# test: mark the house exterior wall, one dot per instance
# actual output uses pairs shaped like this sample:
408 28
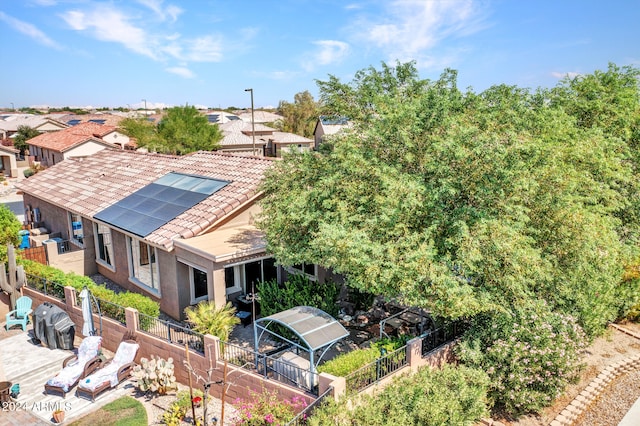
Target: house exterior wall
84 149
49 127
116 138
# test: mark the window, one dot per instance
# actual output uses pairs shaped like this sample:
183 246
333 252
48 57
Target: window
199 288
104 248
245 276
143 268
75 229
308 269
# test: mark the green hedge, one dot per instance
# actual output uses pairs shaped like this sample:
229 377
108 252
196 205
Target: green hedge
62 279
451 396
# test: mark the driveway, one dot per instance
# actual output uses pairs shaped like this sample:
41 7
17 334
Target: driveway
31 366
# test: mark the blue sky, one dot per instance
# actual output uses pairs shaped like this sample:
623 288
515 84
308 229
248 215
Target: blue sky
175 52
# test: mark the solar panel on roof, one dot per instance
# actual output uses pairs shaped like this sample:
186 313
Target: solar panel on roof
73 122
159 202
213 118
98 121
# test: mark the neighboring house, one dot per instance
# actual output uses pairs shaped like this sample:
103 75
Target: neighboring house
327 127
269 142
220 117
179 229
10 123
259 116
8 161
101 118
76 141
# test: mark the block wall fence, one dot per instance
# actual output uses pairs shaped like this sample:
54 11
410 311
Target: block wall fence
239 381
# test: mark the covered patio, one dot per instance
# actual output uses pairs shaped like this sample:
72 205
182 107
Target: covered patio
314 333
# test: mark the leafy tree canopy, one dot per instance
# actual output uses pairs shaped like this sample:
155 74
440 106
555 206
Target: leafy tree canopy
300 116
460 202
181 131
9 228
23 134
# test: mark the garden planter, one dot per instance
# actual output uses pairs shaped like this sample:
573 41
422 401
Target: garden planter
58 416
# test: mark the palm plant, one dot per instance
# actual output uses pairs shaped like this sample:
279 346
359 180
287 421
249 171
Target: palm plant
209 319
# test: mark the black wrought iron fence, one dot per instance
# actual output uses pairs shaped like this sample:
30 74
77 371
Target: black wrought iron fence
45 286
444 334
301 418
281 368
111 310
171 332
377 370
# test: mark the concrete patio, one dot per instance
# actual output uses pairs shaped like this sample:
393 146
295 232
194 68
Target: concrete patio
31 365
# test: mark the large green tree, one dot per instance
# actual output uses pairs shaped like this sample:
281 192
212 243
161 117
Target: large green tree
181 131
9 228
459 202
300 116
23 134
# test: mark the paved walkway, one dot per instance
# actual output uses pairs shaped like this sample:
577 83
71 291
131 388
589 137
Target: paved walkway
31 366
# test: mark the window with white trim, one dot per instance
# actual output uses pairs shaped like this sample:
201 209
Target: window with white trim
143 268
76 233
198 283
104 246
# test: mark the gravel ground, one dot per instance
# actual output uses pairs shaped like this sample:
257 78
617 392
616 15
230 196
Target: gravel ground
613 403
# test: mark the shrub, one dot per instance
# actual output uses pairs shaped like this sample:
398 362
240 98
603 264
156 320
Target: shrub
298 290
347 363
451 396
58 279
29 172
208 319
155 375
530 356
267 408
179 408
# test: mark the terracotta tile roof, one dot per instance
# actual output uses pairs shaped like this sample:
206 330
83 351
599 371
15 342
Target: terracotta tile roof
68 138
89 185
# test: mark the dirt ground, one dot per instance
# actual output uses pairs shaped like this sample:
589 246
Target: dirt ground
613 346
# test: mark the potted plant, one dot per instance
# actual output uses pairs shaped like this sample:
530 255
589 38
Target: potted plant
58 416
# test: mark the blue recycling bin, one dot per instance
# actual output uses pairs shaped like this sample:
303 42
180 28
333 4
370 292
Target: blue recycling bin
24 239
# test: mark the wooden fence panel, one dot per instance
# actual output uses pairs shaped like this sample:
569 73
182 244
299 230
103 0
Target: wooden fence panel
37 254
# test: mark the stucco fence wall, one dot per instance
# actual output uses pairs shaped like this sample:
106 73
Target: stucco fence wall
240 381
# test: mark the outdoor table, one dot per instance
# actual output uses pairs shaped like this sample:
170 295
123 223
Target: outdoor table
5 388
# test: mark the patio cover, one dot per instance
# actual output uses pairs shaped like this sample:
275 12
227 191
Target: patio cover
315 328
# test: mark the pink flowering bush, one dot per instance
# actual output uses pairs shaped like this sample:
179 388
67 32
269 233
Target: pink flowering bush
530 356
267 409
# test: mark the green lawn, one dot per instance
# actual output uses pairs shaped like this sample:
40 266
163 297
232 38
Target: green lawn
125 411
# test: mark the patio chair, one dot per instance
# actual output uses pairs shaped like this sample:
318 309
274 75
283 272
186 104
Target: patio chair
113 372
20 315
76 367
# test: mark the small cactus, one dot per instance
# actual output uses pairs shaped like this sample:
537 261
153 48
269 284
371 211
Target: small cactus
155 375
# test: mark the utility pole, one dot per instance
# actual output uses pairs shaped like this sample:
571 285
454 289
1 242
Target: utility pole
253 125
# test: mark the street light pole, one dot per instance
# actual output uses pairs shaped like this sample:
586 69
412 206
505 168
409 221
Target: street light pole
253 125
12 107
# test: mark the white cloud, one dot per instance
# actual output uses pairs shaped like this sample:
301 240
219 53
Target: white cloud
172 12
181 71
560 75
29 30
327 52
109 24
410 29
203 49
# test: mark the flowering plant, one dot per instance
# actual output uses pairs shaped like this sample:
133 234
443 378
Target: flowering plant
530 356
267 409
